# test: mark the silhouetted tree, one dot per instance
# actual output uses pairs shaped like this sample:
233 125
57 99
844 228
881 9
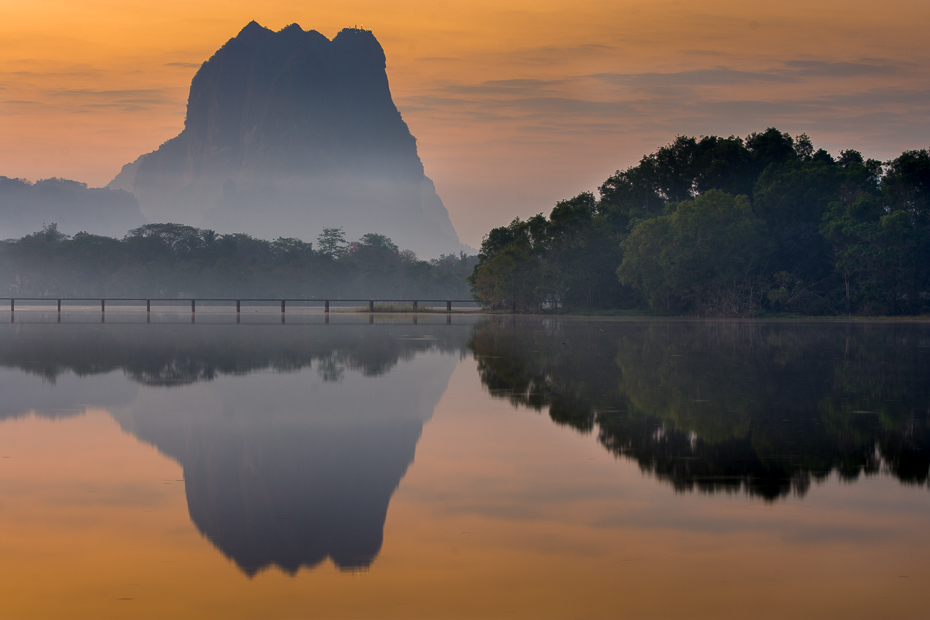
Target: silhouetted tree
819 235
173 260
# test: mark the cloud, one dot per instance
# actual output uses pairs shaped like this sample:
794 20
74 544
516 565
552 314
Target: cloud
184 65
439 59
432 102
550 54
717 76
56 75
130 100
712 53
820 68
505 87
152 93
721 96
658 104
877 97
566 107
791 71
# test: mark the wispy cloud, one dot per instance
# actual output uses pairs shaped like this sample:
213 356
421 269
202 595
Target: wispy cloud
717 76
505 87
55 75
789 72
820 68
130 100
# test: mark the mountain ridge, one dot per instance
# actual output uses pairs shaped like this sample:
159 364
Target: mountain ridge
27 207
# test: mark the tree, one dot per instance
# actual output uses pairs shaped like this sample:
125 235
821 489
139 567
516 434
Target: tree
182 239
679 248
170 260
332 242
705 257
906 186
883 257
582 252
509 271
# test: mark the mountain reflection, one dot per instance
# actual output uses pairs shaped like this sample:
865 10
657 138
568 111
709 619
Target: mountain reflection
285 468
760 407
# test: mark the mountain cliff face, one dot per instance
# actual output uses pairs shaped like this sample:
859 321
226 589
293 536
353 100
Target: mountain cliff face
287 133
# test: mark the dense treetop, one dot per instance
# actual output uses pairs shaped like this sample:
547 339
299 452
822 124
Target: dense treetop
726 226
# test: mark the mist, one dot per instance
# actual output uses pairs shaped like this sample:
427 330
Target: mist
175 260
26 207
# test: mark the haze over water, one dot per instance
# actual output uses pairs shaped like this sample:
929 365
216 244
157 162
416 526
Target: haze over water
532 467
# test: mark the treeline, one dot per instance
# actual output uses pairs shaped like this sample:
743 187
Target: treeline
726 227
173 260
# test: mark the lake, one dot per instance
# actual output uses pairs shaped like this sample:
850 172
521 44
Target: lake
472 466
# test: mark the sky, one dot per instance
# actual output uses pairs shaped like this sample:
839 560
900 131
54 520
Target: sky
515 105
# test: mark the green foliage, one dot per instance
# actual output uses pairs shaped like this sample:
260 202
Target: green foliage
798 192
705 256
906 186
332 242
173 260
511 269
882 256
566 261
812 234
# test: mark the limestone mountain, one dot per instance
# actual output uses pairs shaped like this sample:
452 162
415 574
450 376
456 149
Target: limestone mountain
288 133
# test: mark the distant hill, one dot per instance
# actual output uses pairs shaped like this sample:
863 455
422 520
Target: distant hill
288 133
26 207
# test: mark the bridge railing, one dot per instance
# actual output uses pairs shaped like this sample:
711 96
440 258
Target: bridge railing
373 305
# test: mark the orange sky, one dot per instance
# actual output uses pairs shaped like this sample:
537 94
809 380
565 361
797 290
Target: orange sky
514 104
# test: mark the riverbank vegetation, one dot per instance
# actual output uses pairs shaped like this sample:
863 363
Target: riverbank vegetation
726 227
173 260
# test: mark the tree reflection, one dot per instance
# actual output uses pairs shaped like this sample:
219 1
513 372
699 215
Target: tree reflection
760 407
174 355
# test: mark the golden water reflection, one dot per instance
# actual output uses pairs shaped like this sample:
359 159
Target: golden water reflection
501 513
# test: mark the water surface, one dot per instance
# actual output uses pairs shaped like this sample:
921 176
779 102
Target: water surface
484 467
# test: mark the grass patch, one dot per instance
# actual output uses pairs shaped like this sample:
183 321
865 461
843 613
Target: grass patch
404 308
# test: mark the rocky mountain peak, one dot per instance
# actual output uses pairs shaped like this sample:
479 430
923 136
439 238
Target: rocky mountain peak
288 133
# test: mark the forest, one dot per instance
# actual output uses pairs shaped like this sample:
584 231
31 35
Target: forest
174 260
733 226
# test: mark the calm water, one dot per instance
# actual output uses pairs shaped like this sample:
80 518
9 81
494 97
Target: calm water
489 467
